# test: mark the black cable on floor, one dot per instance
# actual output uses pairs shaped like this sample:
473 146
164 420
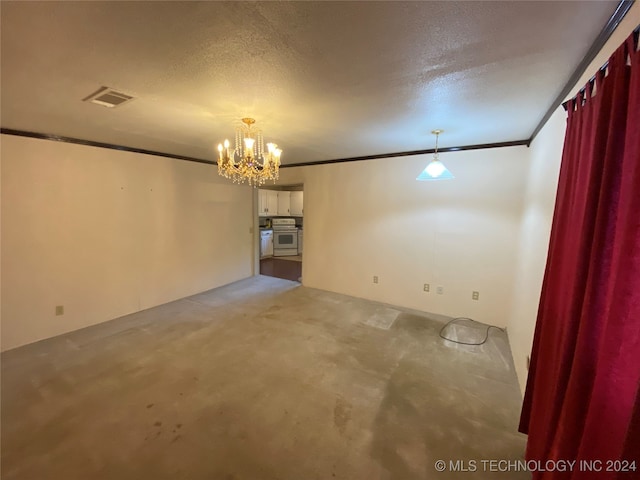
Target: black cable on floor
486 333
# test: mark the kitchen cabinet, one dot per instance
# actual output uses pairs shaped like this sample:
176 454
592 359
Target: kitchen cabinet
267 203
284 203
296 204
272 203
266 243
262 203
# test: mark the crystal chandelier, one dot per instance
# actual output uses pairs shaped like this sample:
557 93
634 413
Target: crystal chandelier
248 161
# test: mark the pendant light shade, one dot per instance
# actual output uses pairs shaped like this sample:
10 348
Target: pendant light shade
435 170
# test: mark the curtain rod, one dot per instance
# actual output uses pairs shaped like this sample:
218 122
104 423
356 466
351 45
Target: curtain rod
635 31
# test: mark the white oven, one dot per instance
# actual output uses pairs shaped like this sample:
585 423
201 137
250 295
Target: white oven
285 237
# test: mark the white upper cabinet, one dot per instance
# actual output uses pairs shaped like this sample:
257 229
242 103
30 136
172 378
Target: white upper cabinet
267 203
263 203
284 203
272 203
296 204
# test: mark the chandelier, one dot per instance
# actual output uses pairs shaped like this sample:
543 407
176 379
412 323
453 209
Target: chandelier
248 161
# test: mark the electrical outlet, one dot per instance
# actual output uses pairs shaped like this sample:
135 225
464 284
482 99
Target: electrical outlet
375 279
475 296
439 290
59 309
426 287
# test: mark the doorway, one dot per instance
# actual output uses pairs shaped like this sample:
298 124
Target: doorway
281 224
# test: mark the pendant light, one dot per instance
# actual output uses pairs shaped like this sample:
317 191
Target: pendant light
435 170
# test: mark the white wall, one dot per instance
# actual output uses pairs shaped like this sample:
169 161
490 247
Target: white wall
533 243
106 233
546 154
373 218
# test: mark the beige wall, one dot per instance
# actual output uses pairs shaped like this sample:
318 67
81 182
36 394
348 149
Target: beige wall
106 233
373 218
533 242
546 153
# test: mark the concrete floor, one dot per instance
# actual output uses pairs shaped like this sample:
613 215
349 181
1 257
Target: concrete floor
262 379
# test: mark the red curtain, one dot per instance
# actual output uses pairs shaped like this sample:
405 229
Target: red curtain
582 400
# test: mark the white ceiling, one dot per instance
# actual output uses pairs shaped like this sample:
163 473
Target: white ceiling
324 80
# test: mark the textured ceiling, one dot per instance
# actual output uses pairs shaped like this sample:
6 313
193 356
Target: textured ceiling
324 80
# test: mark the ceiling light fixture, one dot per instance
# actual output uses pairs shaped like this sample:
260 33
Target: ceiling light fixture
248 161
436 169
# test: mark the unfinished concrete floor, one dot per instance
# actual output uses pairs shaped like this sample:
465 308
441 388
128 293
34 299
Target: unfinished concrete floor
262 379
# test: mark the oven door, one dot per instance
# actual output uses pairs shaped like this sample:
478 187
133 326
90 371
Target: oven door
287 239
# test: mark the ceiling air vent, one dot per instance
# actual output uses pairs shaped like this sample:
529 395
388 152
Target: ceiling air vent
107 97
